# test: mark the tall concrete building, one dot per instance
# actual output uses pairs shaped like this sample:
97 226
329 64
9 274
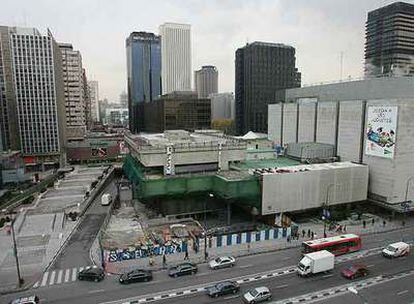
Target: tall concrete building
144 74
389 45
222 106
261 69
74 94
33 105
206 81
175 57
94 99
87 99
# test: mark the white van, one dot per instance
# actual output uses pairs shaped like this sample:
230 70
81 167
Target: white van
396 250
106 199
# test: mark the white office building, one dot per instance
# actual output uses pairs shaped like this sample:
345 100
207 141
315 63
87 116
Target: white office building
94 97
175 57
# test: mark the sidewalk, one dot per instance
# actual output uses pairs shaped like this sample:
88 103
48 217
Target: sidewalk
254 247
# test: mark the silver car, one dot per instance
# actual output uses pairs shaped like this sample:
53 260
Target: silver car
256 295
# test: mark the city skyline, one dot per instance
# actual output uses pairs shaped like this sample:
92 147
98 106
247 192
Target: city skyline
340 28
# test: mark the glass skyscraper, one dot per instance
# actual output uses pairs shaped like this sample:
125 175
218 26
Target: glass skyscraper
144 74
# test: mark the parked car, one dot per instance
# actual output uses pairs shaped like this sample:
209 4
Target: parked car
106 199
396 250
222 262
257 295
182 269
26 300
137 275
91 274
223 288
354 271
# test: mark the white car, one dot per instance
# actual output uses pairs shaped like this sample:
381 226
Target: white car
396 250
256 295
222 262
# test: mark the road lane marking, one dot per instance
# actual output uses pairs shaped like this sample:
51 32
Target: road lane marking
59 278
286 258
74 274
202 274
36 284
67 273
96 290
327 275
246 266
402 292
231 297
44 279
282 286
372 265
52 278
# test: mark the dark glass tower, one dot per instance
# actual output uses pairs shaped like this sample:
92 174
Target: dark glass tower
144 74
261 69
389 41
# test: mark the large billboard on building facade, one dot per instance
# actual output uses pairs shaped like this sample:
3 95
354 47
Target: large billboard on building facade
381 131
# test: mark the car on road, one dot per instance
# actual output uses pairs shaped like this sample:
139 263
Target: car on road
137 275
91 274
222 262
26 300
396 250
355 271
182 269
257 295
223 288
106 199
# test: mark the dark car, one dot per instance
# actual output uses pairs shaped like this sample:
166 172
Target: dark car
223 288
26 300
355 271
91 274
182 269
138 275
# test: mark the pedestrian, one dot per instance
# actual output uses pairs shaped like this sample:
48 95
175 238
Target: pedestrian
309 233
303 233
312 235
344 228
288 238
164 260
186 255
205 255
364 223
151 261
373 221
383 223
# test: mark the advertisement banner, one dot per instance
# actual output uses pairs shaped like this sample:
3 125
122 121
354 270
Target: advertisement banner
381 131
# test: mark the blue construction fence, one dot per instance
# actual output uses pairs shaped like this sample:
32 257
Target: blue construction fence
248 237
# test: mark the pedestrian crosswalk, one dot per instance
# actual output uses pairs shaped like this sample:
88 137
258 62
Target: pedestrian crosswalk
59 276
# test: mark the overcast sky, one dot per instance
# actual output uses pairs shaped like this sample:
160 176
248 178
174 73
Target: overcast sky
319 30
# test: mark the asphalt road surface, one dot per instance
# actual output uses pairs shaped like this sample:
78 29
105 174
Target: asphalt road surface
283 286
76 251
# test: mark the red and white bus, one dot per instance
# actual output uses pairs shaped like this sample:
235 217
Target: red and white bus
337 245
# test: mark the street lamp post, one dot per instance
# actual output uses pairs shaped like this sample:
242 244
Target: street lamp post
19 277
325 207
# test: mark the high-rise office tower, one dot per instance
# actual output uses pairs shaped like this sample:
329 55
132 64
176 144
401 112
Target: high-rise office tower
261 69
144 74
206 81
389 44
87 99
73 88
94 98
175 57
33 106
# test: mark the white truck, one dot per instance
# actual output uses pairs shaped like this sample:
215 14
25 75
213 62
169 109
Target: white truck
106 199
316 262
396 250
